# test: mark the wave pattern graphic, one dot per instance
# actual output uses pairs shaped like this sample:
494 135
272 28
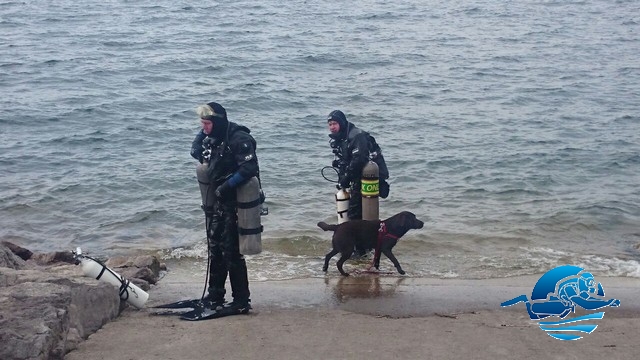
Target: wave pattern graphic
554 329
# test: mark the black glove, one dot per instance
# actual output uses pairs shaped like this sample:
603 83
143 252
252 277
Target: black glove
208 142
344 182
223 191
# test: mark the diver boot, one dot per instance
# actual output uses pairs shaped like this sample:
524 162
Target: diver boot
208 302
232 308
237 307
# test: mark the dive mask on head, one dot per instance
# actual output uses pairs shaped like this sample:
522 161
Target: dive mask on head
213 117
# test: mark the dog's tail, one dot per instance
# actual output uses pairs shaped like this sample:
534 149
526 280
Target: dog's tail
326 227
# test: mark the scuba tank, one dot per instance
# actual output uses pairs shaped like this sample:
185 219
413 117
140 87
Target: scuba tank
208 194
370 191
250 199
95 269
342 205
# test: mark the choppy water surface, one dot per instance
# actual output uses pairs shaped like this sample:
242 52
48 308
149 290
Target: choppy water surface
511 128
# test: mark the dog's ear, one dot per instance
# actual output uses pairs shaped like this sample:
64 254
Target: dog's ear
414 217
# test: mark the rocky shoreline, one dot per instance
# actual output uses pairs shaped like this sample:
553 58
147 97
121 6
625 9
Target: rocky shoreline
47 306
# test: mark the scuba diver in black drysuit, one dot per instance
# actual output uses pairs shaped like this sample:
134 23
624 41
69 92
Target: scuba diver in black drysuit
353 148
230 152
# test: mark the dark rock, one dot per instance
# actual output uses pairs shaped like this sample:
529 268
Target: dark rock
139 273
23 253
142 284
53 258
10 260
120 263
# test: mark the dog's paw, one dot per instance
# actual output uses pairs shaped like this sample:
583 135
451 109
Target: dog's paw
325 269
401 272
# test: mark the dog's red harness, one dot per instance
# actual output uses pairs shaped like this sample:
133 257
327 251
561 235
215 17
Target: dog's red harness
383 234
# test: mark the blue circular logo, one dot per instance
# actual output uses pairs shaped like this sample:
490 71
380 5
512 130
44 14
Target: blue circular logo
557 294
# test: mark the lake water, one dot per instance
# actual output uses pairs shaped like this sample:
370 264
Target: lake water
511 128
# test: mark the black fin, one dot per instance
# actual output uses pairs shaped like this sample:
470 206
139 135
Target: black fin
167 313
206 313
201 314
182 304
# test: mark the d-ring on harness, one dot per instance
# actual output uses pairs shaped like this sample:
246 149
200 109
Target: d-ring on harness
383 234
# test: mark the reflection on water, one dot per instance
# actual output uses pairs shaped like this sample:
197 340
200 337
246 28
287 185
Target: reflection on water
363 286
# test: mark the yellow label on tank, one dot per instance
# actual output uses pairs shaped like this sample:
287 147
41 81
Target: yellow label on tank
370 187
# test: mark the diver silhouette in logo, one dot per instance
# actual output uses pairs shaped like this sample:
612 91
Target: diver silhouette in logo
559 291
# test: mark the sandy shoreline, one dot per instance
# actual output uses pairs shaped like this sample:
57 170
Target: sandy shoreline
385 317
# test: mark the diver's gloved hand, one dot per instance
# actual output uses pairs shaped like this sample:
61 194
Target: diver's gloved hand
223 191
208 142
344 182
335 163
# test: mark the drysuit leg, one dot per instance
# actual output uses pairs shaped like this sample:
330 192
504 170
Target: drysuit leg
355 202
227 258
217 268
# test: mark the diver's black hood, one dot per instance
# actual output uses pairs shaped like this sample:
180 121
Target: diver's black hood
341 119
219 119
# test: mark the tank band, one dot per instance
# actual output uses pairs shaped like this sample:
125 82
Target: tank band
101 272
243 231
124 289
250 204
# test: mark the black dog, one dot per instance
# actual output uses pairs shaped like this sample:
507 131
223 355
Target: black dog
380 235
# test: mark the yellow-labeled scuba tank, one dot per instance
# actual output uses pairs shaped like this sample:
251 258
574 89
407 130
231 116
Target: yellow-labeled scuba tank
370 191
342 205
250 201
95 269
